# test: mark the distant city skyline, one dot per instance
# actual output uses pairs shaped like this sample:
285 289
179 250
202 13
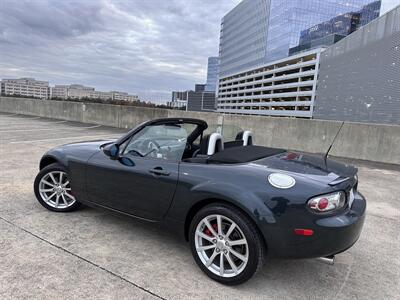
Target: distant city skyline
142 47
43 89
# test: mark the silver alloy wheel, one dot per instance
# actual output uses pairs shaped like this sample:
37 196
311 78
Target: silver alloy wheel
55 190
221 246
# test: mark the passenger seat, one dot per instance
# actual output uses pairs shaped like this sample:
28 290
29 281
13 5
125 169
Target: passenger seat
210 144
246 137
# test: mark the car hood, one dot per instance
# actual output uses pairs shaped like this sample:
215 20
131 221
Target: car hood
95 144
82 150
310 166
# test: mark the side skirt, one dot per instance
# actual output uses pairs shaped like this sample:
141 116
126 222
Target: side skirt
95 205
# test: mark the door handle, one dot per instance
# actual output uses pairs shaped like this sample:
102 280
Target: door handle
159 171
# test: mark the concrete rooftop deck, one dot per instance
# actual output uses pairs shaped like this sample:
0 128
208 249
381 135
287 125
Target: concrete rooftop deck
94 254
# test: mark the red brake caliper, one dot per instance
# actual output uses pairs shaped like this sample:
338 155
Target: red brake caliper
208 231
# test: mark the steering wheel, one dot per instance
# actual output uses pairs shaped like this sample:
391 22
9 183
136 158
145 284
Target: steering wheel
152 145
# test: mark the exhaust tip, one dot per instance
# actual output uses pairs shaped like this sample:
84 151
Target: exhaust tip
329 260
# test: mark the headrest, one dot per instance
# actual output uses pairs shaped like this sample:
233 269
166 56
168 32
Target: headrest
245 136
211 143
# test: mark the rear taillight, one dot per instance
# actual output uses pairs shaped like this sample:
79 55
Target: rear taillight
328 202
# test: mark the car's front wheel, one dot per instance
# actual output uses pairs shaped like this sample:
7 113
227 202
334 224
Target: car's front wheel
225 244
53 190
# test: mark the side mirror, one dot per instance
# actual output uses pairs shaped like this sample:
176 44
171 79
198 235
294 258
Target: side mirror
111 150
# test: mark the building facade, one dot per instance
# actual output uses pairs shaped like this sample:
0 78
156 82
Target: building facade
212 74
78 91
197 100
122 96
27 87
243 36
284 87
329 32
178 104
73 91
199 87
200 101
178 100
359 76
59 92
256 32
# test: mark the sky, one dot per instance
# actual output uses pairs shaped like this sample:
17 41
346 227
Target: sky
144 47
388 5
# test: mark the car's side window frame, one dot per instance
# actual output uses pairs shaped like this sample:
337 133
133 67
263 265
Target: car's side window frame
125 144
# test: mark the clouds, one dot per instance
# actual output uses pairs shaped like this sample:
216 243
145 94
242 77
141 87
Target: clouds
143 46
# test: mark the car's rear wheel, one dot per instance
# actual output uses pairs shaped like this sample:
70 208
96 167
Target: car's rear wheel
53 190
226 244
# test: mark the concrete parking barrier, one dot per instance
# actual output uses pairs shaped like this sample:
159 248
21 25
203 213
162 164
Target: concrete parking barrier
373 142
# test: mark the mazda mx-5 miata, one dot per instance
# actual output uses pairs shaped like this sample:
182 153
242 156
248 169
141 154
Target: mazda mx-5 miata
234 202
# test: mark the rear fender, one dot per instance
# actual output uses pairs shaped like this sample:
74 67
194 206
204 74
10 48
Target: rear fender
244 199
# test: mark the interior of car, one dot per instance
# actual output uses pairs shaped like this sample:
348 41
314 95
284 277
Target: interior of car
193 141
213 143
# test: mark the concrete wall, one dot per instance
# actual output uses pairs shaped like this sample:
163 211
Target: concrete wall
374 142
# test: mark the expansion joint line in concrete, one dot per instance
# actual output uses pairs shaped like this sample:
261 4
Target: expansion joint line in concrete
82 258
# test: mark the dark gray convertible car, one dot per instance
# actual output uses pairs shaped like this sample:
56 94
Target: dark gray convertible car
235 202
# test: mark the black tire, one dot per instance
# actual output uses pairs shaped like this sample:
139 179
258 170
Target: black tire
46 170
255 242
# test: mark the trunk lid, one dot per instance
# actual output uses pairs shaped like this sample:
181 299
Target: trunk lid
310 166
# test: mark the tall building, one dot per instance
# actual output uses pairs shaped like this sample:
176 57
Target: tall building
197 100
256 32
212 74
200 101
243 36
27 87
199 87
359 77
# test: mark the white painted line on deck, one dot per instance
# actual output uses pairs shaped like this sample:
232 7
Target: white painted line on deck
55 129
67 138
41 123
8 115
65 121
23 118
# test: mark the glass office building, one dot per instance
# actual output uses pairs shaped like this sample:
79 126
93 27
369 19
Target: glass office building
212 74
333 30
256 32
243 36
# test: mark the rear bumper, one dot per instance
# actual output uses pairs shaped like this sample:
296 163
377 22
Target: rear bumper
332 235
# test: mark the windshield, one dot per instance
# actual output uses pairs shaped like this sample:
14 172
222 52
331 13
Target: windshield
166 141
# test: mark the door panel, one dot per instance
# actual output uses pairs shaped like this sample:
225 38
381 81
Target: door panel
142 181
144 189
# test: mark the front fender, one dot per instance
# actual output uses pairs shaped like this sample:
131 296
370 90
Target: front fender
74 160
53 156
